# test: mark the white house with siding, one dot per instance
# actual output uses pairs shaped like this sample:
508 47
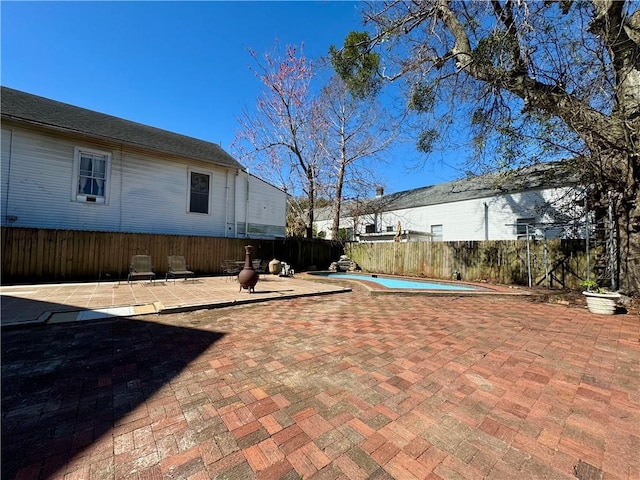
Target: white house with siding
65 167
543 201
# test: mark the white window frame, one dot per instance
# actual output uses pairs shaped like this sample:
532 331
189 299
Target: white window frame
521 228
76 196
201 172
437 237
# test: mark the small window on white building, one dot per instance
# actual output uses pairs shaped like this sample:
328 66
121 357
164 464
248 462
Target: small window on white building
524 226
199 186
91 172
345 234
390 228
436 233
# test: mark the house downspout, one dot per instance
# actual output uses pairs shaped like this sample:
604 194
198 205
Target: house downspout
226 206
236 215
486 221
121 189
246 211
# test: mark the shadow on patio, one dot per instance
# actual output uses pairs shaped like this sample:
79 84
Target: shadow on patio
65 387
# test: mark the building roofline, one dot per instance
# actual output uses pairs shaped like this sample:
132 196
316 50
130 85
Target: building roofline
50 114
531 178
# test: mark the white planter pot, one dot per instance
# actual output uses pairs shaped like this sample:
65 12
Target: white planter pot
602 303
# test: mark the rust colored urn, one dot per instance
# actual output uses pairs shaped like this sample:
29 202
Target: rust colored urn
248 277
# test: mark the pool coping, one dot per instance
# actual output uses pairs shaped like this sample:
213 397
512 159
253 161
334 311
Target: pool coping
376 289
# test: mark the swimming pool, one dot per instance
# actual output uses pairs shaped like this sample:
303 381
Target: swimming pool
401 283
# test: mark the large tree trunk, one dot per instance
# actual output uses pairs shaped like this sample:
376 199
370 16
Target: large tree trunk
616 184
628 227
311 195
613 139
337 202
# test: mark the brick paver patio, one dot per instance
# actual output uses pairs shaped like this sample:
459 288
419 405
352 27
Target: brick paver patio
345 386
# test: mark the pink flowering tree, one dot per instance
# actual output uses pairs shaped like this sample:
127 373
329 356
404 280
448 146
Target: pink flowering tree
276 139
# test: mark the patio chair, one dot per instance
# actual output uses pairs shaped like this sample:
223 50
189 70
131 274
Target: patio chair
177 267
259 265
141 267
231 268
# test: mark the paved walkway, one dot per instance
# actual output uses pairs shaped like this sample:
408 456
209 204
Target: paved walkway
58 303
346 386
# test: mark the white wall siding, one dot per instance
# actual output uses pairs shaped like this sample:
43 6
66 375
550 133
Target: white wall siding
41 181
5 166
325 226
261 208
229 199
267 208
155 197
491 218
465 220
148 193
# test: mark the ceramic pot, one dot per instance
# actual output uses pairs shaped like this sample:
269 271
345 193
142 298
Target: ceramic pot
602 303
275 267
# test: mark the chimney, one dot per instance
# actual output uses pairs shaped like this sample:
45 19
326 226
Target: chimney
379 191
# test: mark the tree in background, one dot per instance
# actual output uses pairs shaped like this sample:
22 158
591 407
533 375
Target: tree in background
352 133
306 143
276 139
297 213
533 80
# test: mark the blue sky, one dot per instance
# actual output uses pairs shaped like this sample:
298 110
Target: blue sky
179 66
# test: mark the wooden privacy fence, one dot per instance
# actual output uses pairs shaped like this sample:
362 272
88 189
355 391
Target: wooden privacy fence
553 263
30 254
43 255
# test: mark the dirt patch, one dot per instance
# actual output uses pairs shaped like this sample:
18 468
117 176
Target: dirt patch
575 298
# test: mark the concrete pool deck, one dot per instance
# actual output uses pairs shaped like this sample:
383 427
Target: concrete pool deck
349 386
59 303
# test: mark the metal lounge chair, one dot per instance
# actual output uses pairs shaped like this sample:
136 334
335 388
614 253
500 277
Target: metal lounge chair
259 265
141 267
177 267
231 268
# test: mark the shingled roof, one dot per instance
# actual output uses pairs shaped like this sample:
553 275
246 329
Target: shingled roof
543 175
35 110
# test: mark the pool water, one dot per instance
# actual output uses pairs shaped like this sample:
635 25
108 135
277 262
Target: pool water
401 283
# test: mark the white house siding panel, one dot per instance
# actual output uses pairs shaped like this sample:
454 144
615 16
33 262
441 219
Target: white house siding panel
41 182
459 219
465 220
323 227
5 165
241 203
260 208
230 195
491 218
267 209
147 192
155 197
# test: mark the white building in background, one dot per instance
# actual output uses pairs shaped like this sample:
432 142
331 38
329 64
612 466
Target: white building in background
543 201
65 167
